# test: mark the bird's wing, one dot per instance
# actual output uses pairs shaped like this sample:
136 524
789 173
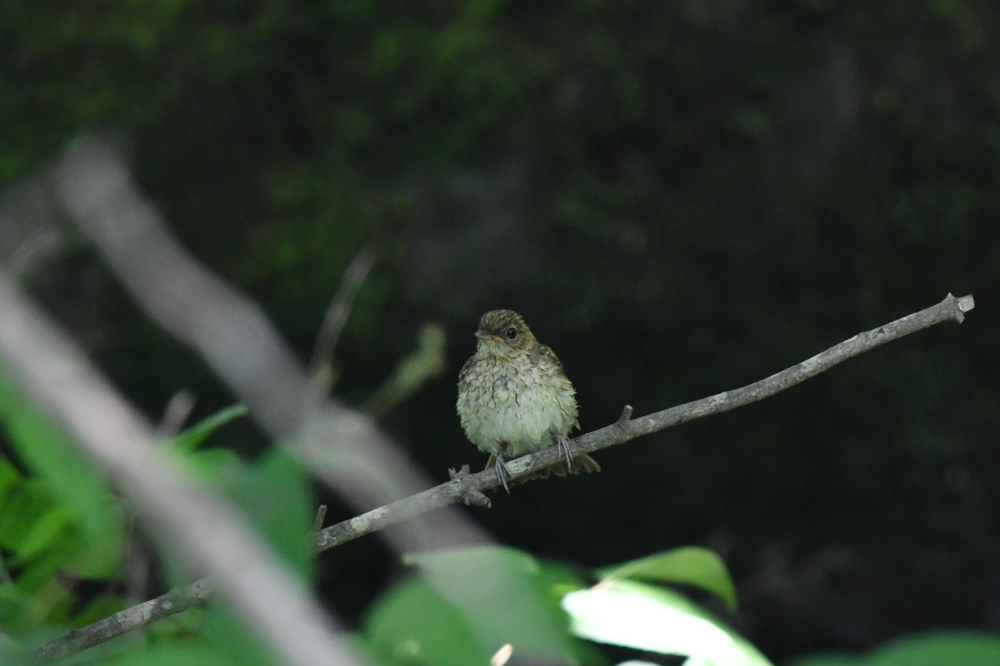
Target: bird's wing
540 351
569 406
465 369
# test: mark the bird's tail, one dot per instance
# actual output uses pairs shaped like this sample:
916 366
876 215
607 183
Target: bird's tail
581 463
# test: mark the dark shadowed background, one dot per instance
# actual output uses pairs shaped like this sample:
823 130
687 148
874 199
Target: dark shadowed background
680 198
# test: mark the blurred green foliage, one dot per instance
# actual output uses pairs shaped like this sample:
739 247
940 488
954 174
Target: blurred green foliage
67 544
414 623
58 524
425 620
928 649
696 567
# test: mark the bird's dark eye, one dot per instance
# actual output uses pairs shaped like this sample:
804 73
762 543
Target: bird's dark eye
511 333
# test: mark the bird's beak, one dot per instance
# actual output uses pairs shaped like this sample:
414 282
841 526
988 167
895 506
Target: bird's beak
482 334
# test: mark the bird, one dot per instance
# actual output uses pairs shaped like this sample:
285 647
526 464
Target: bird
514 397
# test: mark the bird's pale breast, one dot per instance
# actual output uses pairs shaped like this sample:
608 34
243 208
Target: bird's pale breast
515 400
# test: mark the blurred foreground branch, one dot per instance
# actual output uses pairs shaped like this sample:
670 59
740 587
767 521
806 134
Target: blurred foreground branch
468 487
92 186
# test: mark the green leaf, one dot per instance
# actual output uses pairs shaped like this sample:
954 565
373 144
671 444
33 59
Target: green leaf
99 608
276 496
47 598
15 604
44 531
34 521
9 477
100 559
644 617
23 505
234 642
504 596
170 655
937 648
697 567
828 659
41 572
940 647
412 624
192 438
213 465
512 559
425 362
65 467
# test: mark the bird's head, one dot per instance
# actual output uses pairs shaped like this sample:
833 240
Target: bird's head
503 331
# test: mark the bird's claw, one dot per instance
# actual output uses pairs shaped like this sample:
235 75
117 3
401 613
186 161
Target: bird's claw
563 445
503 473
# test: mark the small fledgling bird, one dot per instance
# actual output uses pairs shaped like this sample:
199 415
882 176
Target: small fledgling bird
514 398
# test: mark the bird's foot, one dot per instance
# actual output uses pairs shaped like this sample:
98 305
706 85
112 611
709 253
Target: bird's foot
563 445
503 473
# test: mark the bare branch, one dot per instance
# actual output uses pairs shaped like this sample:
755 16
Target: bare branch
135 617
625 429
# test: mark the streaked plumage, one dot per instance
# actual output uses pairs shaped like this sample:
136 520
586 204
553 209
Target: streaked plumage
513 396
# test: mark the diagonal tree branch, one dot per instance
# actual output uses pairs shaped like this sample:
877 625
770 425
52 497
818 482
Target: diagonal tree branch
173 602
469 487
626 428
94 187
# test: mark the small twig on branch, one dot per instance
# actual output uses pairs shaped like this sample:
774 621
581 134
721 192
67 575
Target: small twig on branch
321 368
464 494
34 248
422 364
176 412
625 419
320 517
